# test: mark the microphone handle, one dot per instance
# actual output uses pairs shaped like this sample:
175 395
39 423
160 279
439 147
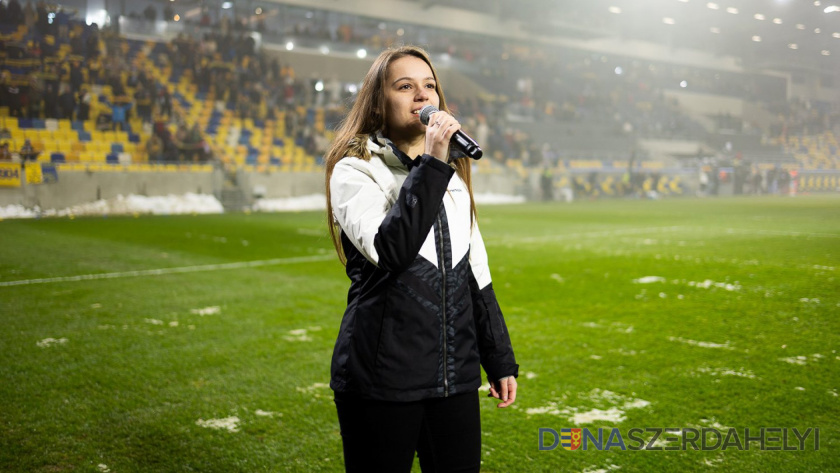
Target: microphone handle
467 145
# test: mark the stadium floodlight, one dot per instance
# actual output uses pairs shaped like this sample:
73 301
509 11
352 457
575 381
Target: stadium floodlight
324 49
831 9
777 21
615 10
825 52
319 86
683 84
756 38
227 5
668 21
800 26
713 6
732 10
817 31
362 53
759 17
835 35
715 30
619 71
793 46
817 3
289 46
100 17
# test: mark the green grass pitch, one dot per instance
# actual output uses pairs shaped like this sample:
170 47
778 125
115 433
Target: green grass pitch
741 331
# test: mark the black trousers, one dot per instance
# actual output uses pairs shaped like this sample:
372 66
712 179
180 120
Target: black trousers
381 436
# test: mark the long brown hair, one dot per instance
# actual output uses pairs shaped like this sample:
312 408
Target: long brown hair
366 118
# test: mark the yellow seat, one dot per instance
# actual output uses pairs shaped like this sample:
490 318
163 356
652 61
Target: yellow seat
7 122
97 136
64 146
51 146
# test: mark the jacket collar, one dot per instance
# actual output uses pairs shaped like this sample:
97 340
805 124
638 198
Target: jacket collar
385 149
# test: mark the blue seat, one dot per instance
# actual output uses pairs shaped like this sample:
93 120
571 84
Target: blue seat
278 142
133 138
77 125
84 135
112 159
24 123
116 148
57 158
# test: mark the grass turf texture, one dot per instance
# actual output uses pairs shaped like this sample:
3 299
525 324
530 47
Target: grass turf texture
127 388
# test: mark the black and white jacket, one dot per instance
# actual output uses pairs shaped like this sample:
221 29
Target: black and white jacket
421 312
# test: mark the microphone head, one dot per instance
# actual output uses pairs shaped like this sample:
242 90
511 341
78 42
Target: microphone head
426 113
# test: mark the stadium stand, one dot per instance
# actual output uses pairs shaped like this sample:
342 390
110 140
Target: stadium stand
211 94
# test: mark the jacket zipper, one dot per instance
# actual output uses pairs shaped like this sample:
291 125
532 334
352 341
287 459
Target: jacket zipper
443 308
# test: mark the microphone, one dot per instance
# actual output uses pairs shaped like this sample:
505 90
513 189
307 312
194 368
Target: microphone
462 140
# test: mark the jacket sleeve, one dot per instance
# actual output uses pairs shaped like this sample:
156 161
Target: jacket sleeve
390 236
494 346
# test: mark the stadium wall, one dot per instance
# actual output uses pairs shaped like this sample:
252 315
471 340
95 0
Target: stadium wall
80 187
278 185
76 187
707 104
811 88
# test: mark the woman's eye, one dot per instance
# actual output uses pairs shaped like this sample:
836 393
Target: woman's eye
405 86
430 86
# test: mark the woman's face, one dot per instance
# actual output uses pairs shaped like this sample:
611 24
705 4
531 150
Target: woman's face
409 86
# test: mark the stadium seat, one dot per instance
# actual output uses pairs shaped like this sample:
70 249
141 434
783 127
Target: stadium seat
57 158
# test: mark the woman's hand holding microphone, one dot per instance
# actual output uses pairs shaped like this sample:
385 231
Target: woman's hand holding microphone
439 131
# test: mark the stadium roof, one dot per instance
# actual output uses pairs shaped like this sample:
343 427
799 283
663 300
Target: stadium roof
768 34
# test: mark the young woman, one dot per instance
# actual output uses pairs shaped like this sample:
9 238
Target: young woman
421 314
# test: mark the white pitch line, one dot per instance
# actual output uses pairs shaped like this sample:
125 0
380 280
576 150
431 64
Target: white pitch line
182 269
